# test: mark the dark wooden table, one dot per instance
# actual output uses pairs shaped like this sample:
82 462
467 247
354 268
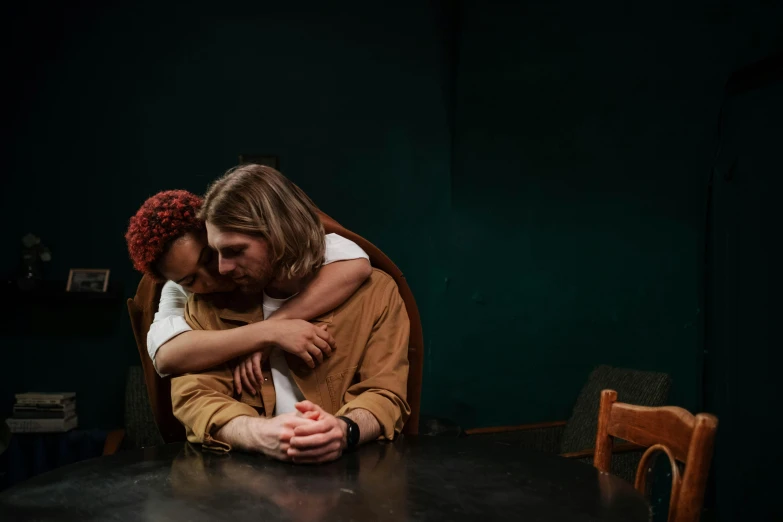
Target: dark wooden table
414 478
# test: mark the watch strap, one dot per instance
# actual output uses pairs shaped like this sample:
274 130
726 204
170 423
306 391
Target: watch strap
352 438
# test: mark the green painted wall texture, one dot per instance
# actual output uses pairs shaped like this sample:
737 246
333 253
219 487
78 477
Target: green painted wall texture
539 171
584 138
745 286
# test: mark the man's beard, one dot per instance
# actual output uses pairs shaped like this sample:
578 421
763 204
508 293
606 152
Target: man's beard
256 282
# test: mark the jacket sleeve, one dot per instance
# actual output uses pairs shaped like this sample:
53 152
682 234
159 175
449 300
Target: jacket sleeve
382 378
204 401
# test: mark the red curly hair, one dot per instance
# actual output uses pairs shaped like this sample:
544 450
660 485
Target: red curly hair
162 219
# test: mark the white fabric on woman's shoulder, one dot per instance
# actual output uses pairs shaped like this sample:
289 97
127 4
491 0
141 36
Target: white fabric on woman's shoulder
169 320
340 249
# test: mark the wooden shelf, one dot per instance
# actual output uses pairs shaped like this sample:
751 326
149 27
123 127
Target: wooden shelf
55 291
50 310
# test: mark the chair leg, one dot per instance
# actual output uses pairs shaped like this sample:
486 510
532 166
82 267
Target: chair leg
113 442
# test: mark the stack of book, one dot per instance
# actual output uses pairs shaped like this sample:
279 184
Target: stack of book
43 413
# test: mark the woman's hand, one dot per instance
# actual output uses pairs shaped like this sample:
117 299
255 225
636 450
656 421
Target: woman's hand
307 341
248 373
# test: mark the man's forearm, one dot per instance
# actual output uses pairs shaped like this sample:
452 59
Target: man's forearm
237 433
369 427
199 350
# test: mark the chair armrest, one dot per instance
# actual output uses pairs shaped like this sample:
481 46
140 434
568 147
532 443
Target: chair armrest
521 427
625 447
544 436
113 442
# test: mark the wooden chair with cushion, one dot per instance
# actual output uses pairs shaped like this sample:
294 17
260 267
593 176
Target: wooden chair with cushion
575 438
139 426
684 438
143 306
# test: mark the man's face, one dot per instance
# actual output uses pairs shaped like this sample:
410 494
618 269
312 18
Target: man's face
243 258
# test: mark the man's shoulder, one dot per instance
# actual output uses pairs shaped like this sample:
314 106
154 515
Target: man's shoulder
380 281
379 276
378 288
372 298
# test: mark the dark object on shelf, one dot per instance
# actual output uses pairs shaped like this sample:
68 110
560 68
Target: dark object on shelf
30 274
34 254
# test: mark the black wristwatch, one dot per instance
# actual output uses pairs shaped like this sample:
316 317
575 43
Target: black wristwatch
353 433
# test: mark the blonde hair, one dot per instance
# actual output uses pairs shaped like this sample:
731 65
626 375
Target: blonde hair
257 200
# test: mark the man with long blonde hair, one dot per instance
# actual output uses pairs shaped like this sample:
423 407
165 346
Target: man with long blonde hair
270 241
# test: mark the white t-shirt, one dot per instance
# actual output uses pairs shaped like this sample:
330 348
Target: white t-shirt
287 393
169 320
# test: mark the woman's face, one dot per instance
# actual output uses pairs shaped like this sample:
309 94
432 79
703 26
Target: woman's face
191 263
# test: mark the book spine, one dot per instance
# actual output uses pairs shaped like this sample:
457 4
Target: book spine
41 425
41 402
25 414
44 396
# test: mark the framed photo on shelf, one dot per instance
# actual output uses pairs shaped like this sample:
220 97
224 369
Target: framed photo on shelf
88 280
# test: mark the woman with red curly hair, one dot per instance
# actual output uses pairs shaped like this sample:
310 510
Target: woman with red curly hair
168 242
169 220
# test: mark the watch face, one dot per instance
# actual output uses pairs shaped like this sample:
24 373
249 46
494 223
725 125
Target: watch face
353 434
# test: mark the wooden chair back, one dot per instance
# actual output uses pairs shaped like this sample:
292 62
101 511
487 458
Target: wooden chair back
686 439
141 310
143 306
416 339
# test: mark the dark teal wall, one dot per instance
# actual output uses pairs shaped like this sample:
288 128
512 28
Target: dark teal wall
539 171
745 358
584 139
118 104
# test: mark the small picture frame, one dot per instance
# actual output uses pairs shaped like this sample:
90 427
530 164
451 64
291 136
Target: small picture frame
259 159
88 280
